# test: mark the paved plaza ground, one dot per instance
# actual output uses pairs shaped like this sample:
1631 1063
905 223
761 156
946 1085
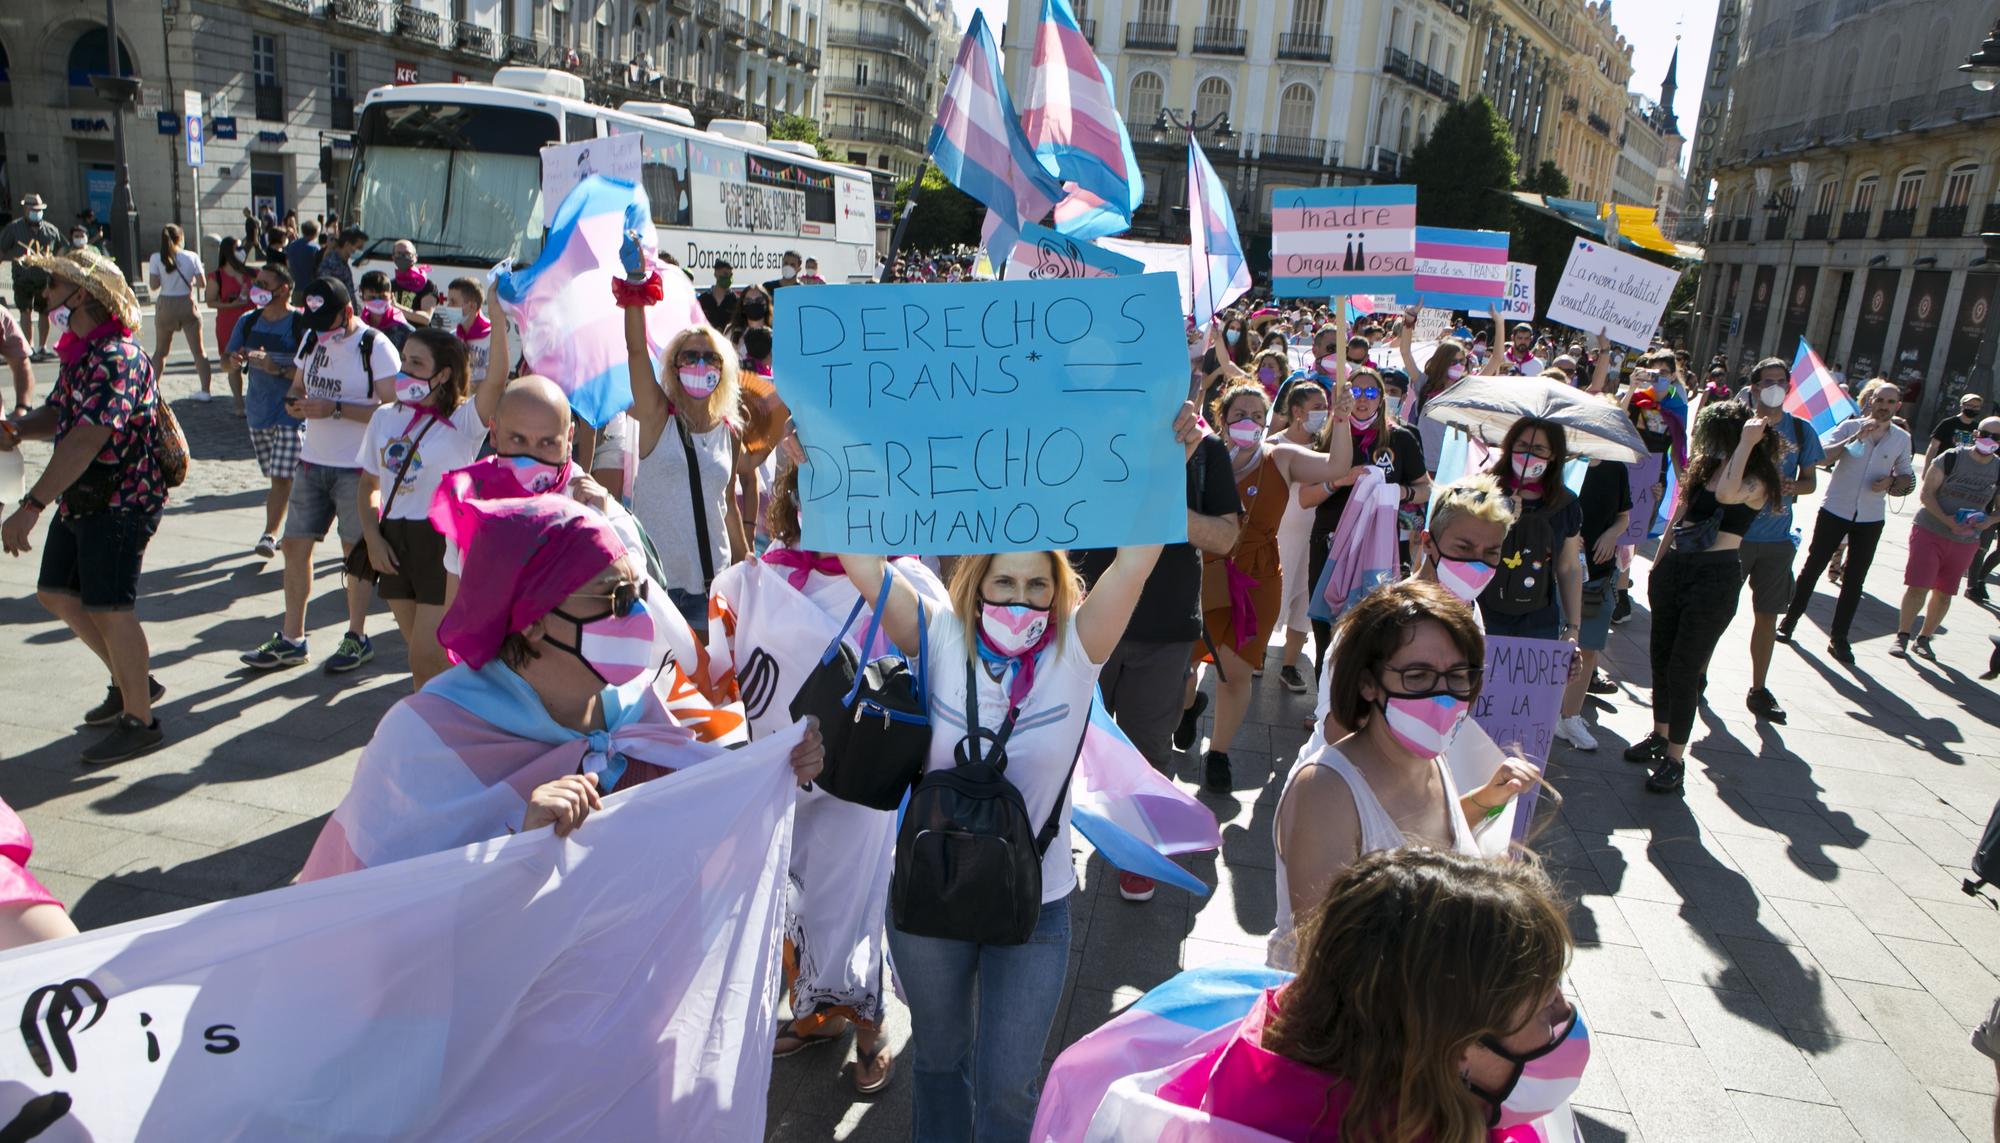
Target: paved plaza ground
1783 954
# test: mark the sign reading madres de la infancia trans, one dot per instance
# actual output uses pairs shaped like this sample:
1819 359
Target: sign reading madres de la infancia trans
986 417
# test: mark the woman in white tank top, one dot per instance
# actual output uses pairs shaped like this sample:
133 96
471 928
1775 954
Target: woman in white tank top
1405 669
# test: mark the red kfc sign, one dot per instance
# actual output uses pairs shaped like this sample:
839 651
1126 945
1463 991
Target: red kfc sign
406 72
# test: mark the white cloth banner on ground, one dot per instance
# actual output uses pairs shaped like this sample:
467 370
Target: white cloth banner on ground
616 984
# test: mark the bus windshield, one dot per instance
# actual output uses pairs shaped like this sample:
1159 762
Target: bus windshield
461 181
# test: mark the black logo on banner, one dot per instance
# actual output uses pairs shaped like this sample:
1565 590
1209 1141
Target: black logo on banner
758 683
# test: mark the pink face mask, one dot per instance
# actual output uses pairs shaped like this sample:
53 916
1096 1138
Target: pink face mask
1245 433
617 648
698 381
1424 725
1013 629
1528 466
1465 578
538 476
1455 372
1329 363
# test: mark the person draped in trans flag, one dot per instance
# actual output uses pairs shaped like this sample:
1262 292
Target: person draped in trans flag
1453 1030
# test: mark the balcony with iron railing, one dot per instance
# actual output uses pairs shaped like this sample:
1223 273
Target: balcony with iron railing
1854 223
678 91
1220 40
1599 124
1946 222
1089 29
414 21
759 35
861 38
710 11
1153 37
1388 162
359 13
1396 63
304 7
868 89
1989 219
1218 138
1420 73
473 39
882 136
1898 223
1742 230
1305 46
1775 225
1297 148
735 25
1819 225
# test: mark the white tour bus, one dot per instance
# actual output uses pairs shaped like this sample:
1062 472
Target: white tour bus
457 169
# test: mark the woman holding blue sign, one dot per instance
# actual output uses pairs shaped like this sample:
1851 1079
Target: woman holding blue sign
1009 672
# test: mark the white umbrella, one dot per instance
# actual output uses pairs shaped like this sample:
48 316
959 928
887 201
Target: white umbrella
1486 407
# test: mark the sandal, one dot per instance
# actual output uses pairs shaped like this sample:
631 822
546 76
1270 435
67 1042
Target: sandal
788 1030
867 1061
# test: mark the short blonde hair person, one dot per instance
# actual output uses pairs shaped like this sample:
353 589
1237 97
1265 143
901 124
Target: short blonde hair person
968 575
725 404
1476 497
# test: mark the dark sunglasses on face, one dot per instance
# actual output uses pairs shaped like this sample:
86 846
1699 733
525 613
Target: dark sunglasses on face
1989 436
700 357
623 598
1367 392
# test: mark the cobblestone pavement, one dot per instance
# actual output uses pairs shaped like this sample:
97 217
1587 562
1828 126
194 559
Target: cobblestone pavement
1782 954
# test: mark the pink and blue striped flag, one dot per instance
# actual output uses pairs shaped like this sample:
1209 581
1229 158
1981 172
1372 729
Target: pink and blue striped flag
571 332
1133 815
1221 272
978 144
1459 269
1071 117
1815 396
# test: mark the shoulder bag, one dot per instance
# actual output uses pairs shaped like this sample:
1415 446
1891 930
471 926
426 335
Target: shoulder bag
357 563
874 719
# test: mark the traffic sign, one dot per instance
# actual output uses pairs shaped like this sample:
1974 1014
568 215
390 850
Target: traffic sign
191 109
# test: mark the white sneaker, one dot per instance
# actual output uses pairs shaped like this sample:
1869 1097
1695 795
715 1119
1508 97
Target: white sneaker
203 395
1576 732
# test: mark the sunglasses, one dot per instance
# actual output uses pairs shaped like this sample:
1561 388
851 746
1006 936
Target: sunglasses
699 357
1989 436
623 598
1367 392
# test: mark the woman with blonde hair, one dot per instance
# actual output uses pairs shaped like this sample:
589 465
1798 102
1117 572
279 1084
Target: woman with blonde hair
689 437
1009 673
1428 1008
178 282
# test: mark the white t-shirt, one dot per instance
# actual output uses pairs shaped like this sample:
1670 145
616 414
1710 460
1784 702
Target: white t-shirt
663 499
442 447
176 281
477 351
331 369
1046 734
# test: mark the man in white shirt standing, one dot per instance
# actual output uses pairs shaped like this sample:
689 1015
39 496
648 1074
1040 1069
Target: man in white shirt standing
340 367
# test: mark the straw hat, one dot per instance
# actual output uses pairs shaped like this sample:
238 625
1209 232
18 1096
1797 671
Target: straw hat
97 274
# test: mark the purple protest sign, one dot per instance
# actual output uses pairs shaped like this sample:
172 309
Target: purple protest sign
1645 506
1520 702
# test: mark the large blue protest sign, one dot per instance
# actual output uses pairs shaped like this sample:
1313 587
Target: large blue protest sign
986 417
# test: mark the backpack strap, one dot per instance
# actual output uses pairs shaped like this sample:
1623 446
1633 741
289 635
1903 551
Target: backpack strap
968 751
696 500
368 358
1047 836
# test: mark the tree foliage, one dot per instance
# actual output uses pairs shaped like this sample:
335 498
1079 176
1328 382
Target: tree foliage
1465 169
802 129
945 216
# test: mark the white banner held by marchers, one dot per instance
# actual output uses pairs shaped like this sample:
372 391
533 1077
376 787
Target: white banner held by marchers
1612 291
620 983
566 164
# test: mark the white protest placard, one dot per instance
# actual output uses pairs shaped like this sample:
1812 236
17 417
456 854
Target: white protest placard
567 164
1519 303
619 983
1610 290
1432 325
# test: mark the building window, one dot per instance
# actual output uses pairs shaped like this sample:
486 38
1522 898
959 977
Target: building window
1864 194
1307 17
1958 185
1909 188
1829 194
340 95
1211 99
1156 12
1295 112
264 76
1148 94
1222 13
861 72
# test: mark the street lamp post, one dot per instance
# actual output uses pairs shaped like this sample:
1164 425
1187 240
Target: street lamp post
1982 70
122 92
1171 123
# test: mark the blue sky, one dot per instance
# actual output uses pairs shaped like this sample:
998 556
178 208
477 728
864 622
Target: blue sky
1649 25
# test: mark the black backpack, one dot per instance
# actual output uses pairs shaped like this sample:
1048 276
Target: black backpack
1527 573
874 718
968 863
1986 859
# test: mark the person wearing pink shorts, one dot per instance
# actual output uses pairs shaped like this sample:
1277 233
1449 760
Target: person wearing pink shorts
1961 499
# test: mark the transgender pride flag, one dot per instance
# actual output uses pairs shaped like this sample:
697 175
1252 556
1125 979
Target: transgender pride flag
978 145
1221 272
1459 269
571 331
1134 816
1071 117
1815 396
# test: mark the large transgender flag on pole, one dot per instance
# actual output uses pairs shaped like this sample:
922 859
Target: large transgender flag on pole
978 144
1071 117
1221 272
1815 396
571 332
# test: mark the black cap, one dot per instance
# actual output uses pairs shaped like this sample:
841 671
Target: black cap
324 302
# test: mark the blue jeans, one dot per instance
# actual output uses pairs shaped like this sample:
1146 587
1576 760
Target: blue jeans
979 1020
693 606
